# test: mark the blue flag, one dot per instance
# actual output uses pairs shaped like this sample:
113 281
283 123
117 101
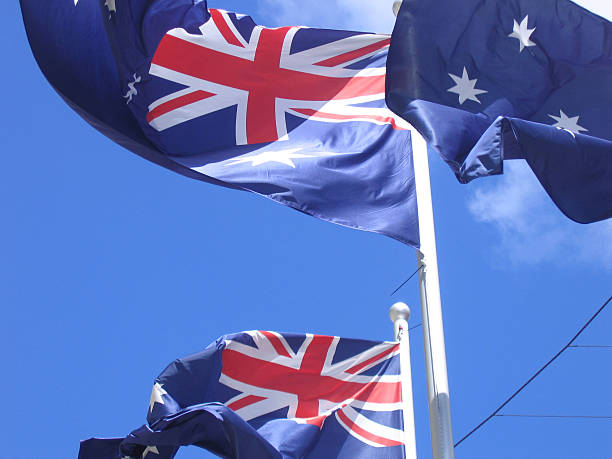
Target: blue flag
269 395
295 114
488 80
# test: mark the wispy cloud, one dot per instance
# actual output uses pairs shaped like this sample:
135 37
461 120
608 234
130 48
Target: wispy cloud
530 227
362 15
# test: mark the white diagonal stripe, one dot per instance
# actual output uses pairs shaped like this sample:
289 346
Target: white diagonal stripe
375 428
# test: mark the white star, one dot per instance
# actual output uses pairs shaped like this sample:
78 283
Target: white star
75 2
522 33
465 88
110 4
278 156
150 449
567 123
156 396
132 88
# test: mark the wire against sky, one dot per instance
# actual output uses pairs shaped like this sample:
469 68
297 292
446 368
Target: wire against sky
590 346
406 281
537 373
550 416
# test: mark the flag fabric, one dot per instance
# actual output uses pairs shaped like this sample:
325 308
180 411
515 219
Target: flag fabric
488 80
272 395
295 114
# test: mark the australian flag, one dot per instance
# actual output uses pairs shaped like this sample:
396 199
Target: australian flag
488 80
295 114
269 395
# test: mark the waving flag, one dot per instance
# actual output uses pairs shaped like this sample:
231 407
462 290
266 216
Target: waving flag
488 80
221 69
273 395
294 114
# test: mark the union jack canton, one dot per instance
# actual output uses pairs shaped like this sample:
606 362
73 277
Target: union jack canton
265 78
300 396
295 114
347 391
352 384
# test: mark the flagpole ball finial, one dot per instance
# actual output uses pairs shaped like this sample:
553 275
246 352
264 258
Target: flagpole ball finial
399 311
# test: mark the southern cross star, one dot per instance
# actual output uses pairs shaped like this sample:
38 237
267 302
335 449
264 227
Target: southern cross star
568 123
279 156
465 88
522 33
156 396
150 449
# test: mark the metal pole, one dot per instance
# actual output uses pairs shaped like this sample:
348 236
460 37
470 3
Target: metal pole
431 306
399 314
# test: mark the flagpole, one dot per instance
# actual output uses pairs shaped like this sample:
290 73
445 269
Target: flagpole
438 393
399 314
431 308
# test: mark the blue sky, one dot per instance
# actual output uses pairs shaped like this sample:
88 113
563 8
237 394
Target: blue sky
112 267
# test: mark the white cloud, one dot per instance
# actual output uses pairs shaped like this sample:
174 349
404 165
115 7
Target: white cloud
361 15
530 227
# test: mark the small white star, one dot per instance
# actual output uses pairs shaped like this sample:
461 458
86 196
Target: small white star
132 88
156 396
278 156
465 88
110 4
522 33
75 2
150 449
567 123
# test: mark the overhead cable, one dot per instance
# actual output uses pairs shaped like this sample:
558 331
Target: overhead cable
536 374
551 416
406 281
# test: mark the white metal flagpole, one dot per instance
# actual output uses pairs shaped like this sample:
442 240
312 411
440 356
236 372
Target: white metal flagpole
399 314
431 304
431 307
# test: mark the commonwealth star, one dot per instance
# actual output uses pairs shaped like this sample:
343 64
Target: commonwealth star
278 156
150 449
156 396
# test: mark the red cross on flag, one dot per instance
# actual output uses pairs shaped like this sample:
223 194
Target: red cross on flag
311 385
265 80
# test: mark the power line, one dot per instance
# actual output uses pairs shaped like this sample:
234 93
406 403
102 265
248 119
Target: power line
588 346
406 281
536 374
551 416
